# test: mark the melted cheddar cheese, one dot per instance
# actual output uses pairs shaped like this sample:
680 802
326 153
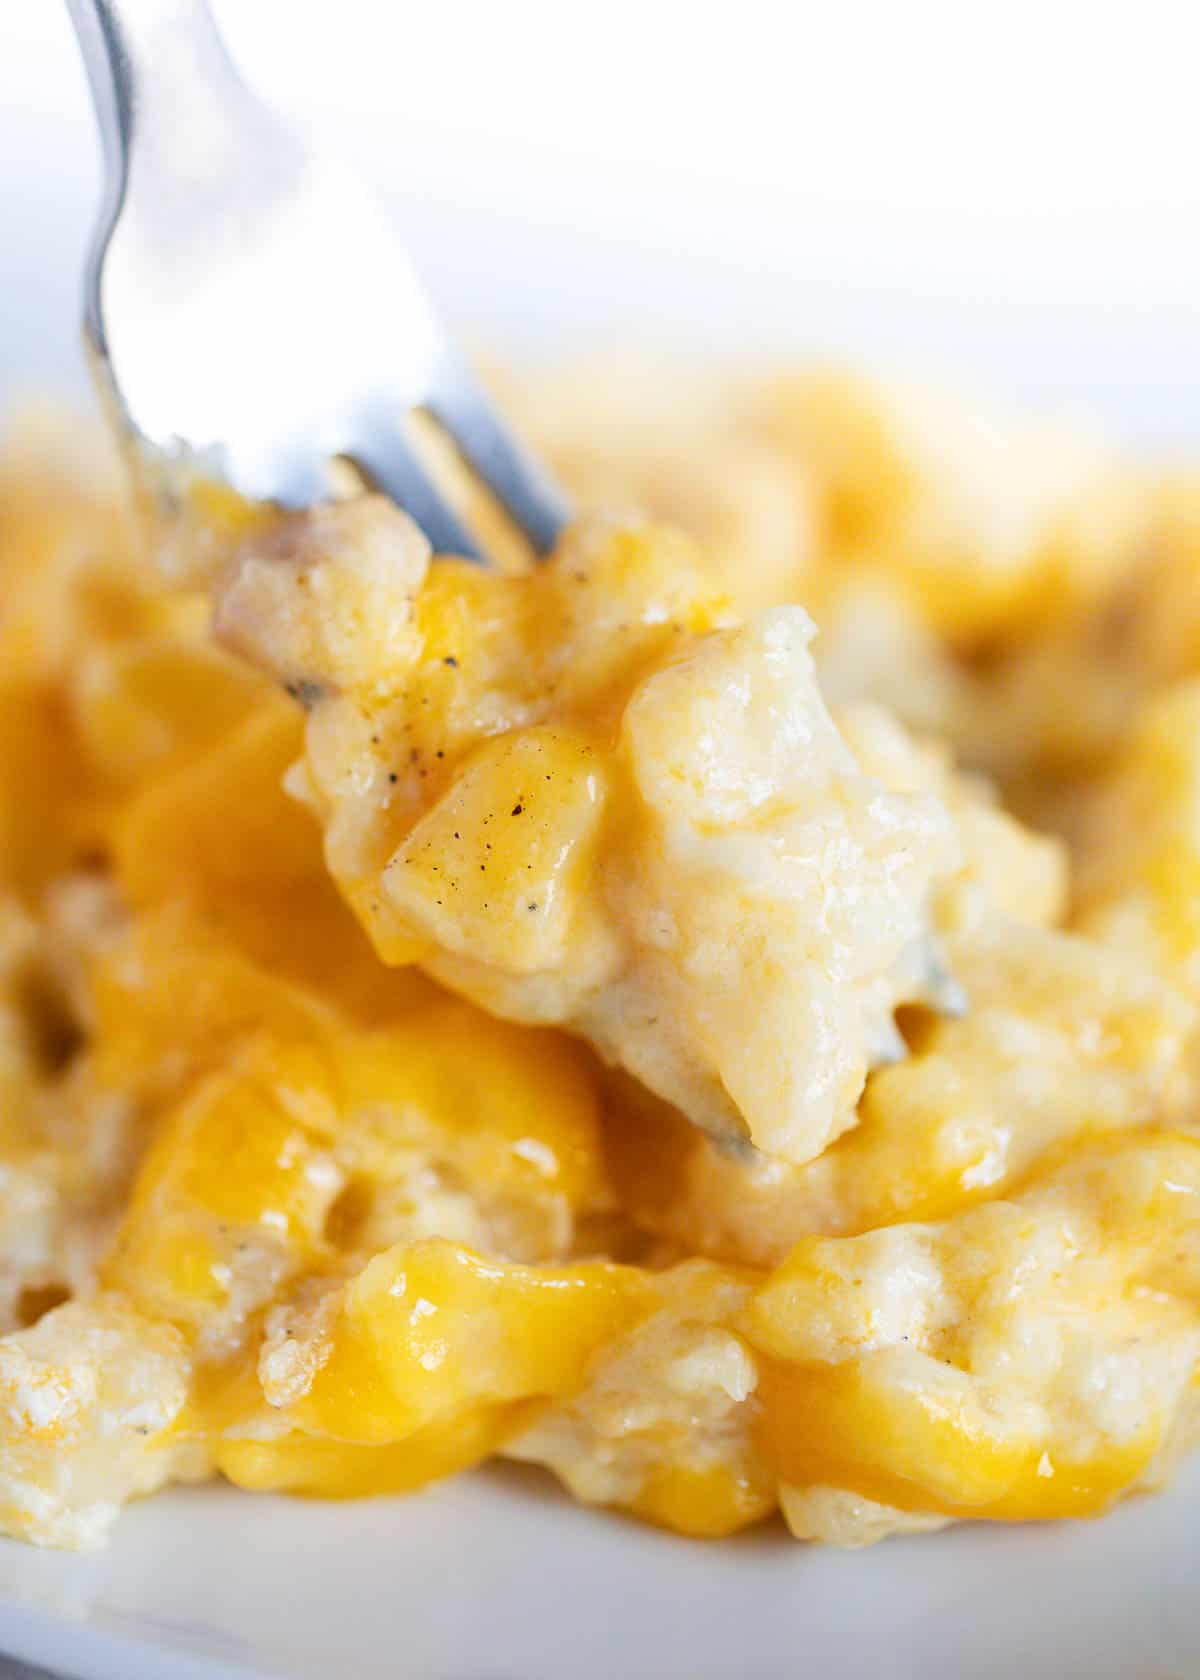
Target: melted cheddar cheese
741 1061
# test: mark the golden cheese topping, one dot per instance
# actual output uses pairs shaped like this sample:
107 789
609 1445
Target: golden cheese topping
1028 1358
603 1013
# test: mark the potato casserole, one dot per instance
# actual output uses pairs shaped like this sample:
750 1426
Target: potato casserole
714 1015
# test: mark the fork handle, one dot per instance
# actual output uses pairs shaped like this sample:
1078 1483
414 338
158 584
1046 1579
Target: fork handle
169 102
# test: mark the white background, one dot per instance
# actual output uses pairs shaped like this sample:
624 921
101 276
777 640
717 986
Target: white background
1008 189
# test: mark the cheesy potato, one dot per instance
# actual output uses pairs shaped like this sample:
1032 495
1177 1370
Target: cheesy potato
625 821
714 1015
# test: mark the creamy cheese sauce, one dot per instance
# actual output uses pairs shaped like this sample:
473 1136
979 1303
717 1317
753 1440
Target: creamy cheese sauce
714 1015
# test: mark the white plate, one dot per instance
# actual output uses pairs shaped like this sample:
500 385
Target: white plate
496 1576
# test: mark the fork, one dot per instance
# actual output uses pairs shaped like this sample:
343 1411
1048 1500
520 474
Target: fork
249 311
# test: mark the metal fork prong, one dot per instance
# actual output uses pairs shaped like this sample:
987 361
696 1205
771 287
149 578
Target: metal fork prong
389 464
534 503
226 241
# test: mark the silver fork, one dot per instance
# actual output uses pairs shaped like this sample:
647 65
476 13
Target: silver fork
248 307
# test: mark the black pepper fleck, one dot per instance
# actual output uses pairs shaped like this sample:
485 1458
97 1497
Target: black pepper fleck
517 809
307 693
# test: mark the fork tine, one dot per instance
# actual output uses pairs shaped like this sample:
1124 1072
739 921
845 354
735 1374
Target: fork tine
460 405
389 464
